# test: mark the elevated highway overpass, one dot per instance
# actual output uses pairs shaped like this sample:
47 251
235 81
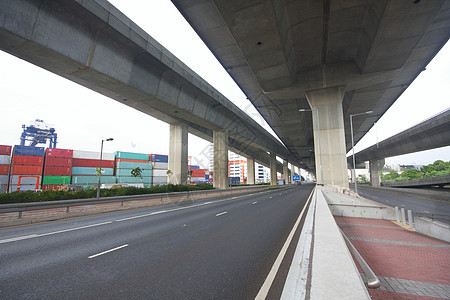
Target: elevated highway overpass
335 58
95 45
429 134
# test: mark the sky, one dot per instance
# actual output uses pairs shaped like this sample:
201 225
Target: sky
82 118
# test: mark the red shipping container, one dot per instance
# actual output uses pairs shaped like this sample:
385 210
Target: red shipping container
92 163
130 160
27 160
26 170
5 150
4 169
58 161
198 173
63 171
55 152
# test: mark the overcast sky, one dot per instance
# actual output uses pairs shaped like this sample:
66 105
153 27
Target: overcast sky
83 118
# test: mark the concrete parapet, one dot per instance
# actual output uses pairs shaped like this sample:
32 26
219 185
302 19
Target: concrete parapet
433 228
332 259
345 203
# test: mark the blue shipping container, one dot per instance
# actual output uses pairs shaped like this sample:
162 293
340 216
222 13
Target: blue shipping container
160 158
234 180
29 151
131 155
91 171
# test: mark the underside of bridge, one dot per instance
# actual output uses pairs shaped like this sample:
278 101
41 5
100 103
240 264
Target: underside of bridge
282 54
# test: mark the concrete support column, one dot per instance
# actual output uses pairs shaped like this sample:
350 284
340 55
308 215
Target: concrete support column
220 144
178 154
376 166
286 171
329 135
273 169
353 172
250 170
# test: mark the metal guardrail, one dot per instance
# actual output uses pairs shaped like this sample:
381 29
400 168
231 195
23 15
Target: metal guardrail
186 196
372 280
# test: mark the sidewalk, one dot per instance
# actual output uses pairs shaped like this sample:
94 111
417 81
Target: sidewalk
409 265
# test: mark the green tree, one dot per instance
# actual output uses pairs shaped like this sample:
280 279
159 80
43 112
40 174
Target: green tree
411 174
137 172
391 176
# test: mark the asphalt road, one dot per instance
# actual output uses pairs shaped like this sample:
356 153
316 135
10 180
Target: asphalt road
214 249
440 211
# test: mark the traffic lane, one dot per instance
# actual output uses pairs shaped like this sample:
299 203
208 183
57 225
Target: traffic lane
417 205
67 224
161 247
236 253
70 239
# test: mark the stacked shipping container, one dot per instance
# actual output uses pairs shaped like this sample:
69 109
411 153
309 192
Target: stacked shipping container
199 175
85 165
160 166
126 162
57 169
26 168
5 161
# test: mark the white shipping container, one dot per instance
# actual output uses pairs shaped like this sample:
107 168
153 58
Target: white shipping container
5 159
198 179
159 173
159 180
23 187
92 155
3 179
26 180
161 165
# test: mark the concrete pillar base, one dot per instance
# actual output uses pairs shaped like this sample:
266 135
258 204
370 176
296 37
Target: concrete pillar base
376 166
329 135
286 171
220 144
178 154
273 169
250 171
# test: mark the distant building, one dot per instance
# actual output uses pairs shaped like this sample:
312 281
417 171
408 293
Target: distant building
262 174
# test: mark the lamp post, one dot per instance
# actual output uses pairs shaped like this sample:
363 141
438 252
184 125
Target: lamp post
353 146
318 133
100 170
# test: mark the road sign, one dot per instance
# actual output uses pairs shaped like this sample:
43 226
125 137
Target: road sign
296 178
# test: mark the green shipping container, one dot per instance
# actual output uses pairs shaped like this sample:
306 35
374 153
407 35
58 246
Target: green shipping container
145 180
133 165
53 179
130 155
85 180
91 171
127 172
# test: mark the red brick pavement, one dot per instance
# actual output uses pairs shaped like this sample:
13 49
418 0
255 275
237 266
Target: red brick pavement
396 253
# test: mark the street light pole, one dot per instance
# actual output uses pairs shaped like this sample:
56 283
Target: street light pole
318 133
353 147
100 170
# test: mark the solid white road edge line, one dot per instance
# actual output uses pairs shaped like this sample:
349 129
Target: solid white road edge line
107 251
262 294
